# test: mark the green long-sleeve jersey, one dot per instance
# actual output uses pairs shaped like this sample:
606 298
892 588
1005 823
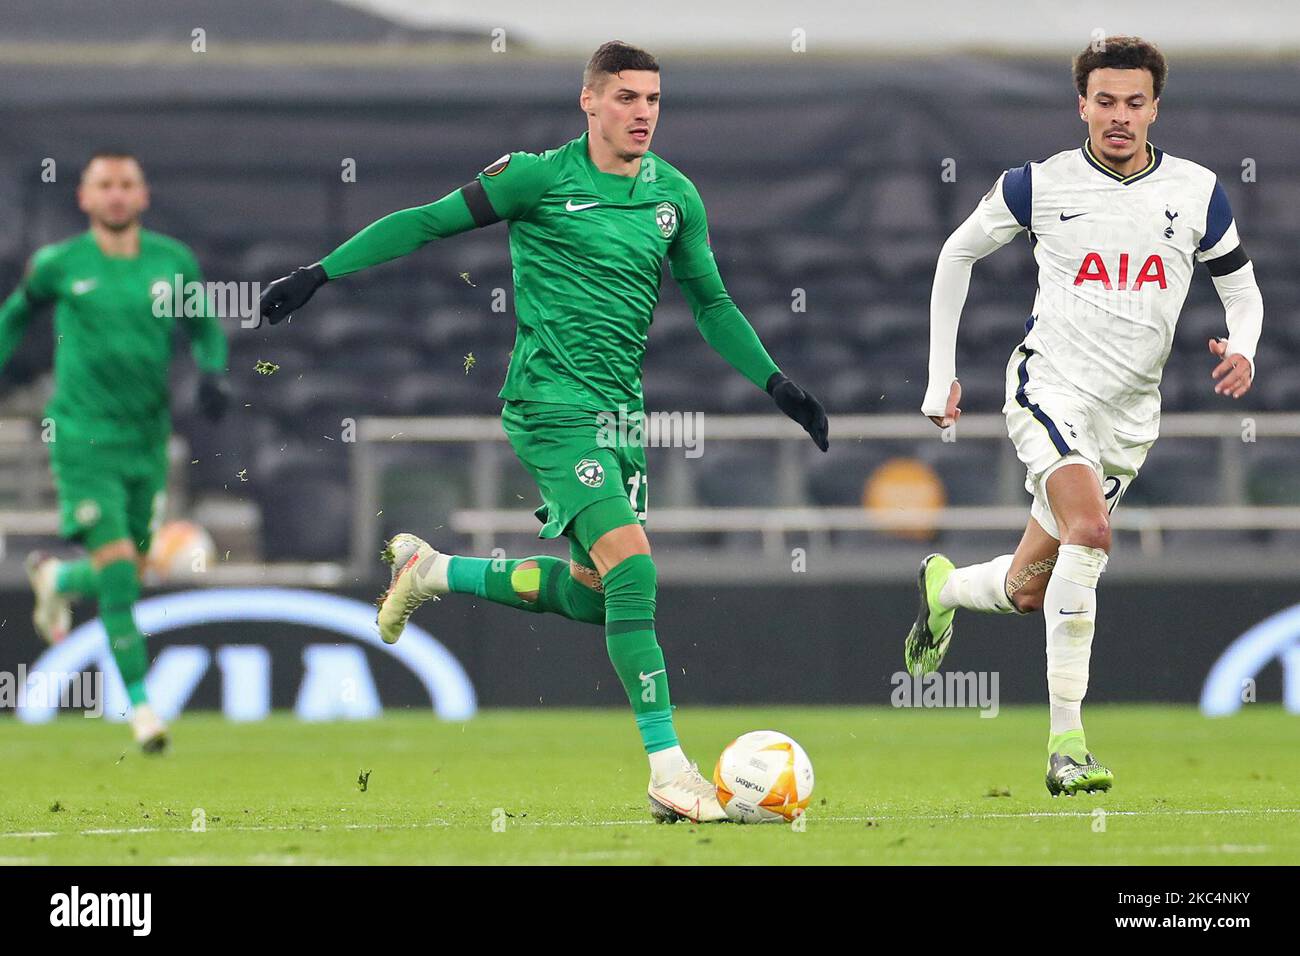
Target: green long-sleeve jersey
587 250
114 319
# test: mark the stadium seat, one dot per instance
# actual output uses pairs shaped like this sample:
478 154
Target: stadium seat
674 389
293 532
1277 215
1177 472
316 405
887 325
424 392
1278 390
998 326
968 470
269 259
1274 478
837 478
739 477
906 262
899 203
420 486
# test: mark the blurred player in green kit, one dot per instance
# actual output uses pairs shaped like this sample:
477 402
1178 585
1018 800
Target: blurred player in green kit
112 288
591 224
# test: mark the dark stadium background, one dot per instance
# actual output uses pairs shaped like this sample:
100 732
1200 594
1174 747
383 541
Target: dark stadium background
820 172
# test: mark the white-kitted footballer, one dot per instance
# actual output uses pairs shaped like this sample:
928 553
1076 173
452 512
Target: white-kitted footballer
1117 227
1115 259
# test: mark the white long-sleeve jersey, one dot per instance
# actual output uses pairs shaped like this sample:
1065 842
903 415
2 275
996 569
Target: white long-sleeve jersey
1115 259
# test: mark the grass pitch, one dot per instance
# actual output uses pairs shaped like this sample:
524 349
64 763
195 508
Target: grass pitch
893 787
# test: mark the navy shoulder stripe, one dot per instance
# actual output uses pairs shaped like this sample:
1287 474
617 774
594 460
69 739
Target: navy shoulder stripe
1018 192
1217 218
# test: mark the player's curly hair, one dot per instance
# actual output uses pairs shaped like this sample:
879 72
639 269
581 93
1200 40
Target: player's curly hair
1121 53
615 56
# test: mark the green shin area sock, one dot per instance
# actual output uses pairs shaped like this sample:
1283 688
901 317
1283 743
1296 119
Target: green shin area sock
503 580
119 588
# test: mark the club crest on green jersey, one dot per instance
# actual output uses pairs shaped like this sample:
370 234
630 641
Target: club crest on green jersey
666 219
86 513
590 472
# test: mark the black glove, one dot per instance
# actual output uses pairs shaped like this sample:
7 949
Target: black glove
214 396
285 296
802 406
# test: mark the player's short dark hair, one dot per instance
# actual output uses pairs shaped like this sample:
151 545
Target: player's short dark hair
111 152
1121 53
615 56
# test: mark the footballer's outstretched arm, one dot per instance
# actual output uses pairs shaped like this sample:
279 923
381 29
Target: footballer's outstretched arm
999 217
209 347
727 330
1234 279
15 313
507 189
35 289
397 234
1244 310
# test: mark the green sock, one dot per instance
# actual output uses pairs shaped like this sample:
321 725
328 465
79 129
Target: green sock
76 578
468 575
634 650
1071 743
502 580
587 603
119 588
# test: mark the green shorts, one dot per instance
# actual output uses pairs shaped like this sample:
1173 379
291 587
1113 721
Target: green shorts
110 492
574 461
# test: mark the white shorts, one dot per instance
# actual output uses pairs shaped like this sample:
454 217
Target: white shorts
1053 425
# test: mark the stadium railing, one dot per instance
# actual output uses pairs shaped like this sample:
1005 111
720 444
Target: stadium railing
1179 534
485 522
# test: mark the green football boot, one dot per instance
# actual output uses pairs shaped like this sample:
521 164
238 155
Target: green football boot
929 637
1072 769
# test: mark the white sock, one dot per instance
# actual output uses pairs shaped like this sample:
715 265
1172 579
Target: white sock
1070 610
668 763
980 587
1066 714
431 574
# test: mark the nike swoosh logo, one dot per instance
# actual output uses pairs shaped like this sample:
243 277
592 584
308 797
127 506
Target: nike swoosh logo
645 677
572 208
82 286
1084 611
1065 218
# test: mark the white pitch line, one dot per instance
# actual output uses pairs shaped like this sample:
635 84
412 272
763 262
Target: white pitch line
1070 814
440 824
280 828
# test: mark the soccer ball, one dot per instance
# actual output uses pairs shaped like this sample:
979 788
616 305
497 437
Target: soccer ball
181 550
763 777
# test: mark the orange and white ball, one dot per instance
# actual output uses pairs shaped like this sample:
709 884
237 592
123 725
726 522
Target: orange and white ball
763 777
180 553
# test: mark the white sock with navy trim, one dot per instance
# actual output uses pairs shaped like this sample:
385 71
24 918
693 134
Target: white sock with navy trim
1070 610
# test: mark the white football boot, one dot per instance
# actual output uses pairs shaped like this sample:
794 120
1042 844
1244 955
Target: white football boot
148 729
419 574
52 615
685 796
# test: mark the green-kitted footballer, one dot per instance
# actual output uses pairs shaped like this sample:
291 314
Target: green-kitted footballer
109 419
590 225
